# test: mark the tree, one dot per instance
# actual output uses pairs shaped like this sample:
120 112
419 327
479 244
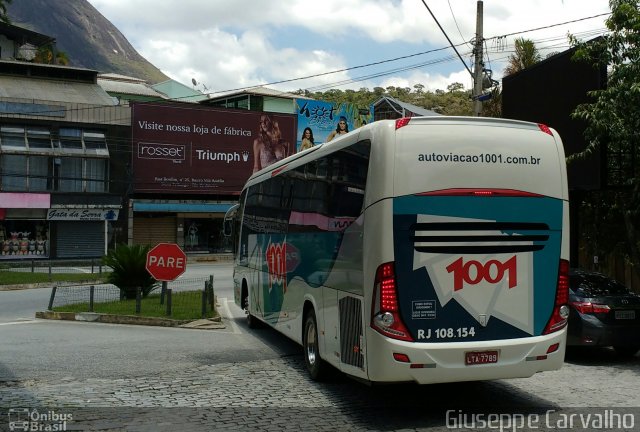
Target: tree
613 118
129 270
3 11
493 107
526 54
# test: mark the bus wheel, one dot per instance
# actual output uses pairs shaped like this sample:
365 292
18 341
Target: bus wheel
252 322
315 365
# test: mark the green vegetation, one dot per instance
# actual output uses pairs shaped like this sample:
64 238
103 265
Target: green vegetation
613 120
454 101
20 278
129 272
185 306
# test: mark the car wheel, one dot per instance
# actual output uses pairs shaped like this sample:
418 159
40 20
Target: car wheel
315 365
626 351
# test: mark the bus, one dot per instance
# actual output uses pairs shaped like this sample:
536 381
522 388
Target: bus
423 249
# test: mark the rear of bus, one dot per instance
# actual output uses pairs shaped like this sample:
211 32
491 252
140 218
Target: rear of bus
472 281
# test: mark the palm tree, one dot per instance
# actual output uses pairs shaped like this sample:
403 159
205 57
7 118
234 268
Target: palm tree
3 11
526 54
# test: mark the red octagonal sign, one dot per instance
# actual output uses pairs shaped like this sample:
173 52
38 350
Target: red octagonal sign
166 261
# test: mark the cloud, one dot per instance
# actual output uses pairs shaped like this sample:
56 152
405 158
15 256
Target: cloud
227 45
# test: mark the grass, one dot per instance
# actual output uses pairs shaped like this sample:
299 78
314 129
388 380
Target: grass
185 306
19 278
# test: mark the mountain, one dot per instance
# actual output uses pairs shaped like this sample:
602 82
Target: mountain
87 37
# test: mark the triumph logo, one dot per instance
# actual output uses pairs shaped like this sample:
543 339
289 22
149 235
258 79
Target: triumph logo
170 152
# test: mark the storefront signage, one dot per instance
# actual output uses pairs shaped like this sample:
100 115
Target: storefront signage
202 150
73 214
24 200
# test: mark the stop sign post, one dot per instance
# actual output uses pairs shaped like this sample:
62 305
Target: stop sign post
166 261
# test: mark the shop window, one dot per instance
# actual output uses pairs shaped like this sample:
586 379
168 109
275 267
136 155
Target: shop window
205 236
14 172
39 173
23 239
12 138
69 174
95 143
39 139
70 139
96 175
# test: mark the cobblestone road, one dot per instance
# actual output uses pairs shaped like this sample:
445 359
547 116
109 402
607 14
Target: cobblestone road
276 394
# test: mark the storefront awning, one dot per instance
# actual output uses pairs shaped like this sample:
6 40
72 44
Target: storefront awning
180 207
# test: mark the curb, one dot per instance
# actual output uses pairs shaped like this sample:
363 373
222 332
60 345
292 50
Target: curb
27 286
205 324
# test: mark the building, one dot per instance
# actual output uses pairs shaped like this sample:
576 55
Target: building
388 107
60 193
127 89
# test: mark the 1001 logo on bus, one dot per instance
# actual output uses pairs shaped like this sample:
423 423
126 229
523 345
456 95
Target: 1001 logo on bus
473 272
281 258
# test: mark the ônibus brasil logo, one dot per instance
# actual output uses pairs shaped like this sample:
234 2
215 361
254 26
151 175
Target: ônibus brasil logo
492 271
282 258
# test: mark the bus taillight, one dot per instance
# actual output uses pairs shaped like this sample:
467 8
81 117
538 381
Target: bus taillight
402 122
560 310
385 316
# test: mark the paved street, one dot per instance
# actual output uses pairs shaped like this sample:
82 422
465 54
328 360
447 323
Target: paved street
120 377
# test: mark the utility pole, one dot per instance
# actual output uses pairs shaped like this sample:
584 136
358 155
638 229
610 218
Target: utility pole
478 70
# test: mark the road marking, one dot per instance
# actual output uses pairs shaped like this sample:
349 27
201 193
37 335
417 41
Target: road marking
21 322
225 306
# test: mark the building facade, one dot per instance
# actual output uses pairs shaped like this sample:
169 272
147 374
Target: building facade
60 193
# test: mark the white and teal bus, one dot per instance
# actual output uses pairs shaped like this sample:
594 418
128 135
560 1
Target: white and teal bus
427 249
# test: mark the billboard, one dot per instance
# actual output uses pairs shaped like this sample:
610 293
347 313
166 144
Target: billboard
323 120
200 150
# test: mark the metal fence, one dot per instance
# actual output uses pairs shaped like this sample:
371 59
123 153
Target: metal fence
57 266
179 298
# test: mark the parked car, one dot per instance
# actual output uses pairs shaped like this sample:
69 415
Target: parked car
603 313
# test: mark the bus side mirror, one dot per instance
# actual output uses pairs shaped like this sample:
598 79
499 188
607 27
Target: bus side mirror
227 227
227 224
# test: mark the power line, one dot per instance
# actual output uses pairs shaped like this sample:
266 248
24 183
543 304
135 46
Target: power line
549 26
445 35
353 80
456 21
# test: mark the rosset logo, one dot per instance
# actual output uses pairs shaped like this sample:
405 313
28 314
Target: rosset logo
170 152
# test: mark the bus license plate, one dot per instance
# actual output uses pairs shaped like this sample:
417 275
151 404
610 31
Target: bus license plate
480 357
626 314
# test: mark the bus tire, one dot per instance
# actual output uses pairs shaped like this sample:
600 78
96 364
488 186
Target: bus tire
316 367
252 322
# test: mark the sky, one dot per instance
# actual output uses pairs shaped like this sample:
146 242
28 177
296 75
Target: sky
345 44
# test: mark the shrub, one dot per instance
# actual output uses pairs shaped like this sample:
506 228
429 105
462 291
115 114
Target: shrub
129 272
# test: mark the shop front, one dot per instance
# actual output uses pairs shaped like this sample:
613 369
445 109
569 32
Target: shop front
81 232
197 227
33 225
24 229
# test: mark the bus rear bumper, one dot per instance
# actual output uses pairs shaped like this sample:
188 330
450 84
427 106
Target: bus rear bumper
430 363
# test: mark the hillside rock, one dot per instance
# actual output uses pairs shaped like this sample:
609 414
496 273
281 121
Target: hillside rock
88 38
